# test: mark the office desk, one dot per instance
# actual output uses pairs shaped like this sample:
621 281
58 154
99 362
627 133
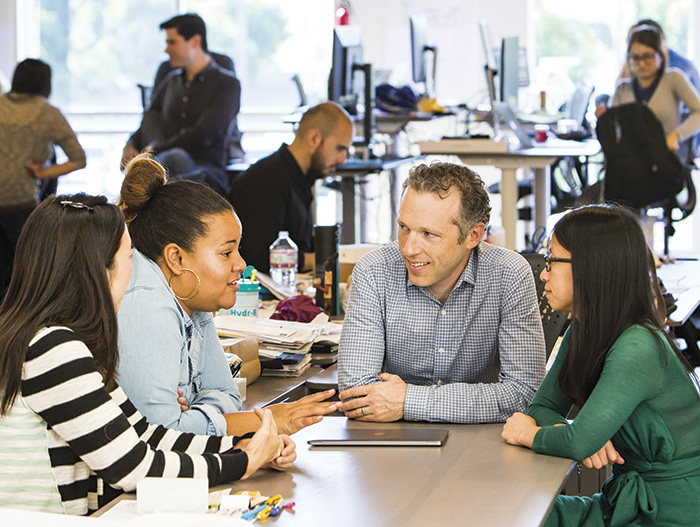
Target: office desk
682 280
475 479
540 159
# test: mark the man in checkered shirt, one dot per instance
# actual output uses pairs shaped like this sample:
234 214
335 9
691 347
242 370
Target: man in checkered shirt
441 326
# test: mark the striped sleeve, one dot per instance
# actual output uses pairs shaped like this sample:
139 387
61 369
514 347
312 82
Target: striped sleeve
62 385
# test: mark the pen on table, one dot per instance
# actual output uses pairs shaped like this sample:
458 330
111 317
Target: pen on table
249 515
269 505
277 508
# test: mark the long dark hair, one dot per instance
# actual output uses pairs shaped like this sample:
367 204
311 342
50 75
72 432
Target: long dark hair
160 213
614 287
60 278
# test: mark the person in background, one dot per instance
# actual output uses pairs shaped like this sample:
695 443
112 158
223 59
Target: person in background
661 88
639 406
29 129
275 194
71 440
186 263
235 149
441 326
187 123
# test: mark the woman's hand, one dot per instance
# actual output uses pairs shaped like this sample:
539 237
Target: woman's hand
292 417
520 429
265 446
288 455
605 456
182 401
673 141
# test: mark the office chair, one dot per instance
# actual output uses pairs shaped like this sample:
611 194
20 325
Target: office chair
303 99
553 322
640 171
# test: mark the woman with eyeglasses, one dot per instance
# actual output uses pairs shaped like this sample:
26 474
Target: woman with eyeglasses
662 88
70 439
638 397
186 261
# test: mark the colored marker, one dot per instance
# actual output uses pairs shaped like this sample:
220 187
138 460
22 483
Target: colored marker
249 515
277 508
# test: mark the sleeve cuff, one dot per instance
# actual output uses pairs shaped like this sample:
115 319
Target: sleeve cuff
217 422
417 398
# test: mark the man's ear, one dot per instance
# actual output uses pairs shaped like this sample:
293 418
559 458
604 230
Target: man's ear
314 139
476 234
196 39
172 256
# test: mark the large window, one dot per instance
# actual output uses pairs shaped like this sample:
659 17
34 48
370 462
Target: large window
574 44
101 49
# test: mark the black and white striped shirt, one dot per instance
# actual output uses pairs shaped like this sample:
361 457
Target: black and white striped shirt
96 443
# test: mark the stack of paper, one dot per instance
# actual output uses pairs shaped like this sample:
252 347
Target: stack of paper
284 346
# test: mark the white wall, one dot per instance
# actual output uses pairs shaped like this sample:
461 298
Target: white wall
8 38
453 28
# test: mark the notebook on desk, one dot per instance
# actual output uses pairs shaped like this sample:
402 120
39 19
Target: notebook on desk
380 437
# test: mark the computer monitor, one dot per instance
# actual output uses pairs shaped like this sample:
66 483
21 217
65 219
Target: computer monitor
509 71
347 53
419 50
347 59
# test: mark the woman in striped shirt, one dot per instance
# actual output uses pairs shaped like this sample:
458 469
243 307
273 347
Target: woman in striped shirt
70 440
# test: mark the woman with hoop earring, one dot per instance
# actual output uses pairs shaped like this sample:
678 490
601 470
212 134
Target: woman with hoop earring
186 262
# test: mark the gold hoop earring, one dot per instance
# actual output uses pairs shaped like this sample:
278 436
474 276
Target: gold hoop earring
199 285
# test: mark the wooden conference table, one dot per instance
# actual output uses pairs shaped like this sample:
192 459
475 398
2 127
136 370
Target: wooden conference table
539 158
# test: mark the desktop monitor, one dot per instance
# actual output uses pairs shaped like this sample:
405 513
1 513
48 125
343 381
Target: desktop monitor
509 71
419 49
347 53
347 60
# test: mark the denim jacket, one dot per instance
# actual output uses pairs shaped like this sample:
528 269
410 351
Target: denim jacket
162 349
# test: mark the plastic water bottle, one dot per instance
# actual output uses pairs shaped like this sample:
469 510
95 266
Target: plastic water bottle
284 258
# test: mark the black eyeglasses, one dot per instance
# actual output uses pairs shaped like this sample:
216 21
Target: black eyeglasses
77 205
646 58
548 262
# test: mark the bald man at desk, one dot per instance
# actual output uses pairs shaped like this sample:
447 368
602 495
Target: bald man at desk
276 193
440 325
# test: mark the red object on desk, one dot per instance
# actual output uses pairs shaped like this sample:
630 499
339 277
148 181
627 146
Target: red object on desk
298 308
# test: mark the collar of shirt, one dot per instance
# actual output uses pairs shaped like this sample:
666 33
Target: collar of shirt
201 76
154 277
297 176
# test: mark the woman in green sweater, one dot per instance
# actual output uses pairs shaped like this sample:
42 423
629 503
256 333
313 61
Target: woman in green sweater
638 398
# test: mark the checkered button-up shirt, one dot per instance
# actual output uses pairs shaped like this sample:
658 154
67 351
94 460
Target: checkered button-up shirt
476 359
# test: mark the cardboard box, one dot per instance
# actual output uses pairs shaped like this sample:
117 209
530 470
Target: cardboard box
247 350
348 255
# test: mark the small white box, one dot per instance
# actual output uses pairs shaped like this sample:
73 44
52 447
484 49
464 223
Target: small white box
172 495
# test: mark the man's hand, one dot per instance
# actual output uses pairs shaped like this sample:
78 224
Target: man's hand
605 456
292 417
382 401
128 154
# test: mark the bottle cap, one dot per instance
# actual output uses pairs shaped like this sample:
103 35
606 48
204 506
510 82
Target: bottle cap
246 286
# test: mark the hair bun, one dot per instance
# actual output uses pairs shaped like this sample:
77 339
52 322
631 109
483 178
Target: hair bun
143 177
